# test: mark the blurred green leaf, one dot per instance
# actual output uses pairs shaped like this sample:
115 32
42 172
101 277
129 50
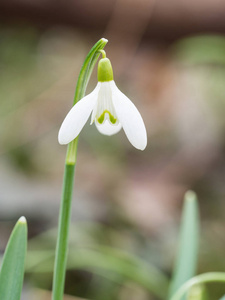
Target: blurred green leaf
105 261
198 292
223 298
204 278
186 260
201 49
124 264
12 269
101 288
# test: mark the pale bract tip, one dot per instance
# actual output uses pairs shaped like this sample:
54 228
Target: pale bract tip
22 220
190 196
104 40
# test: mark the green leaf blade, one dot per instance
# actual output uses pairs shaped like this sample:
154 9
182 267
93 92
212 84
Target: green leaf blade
12 268
186 261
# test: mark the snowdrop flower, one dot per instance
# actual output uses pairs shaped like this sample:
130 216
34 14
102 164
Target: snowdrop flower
111 110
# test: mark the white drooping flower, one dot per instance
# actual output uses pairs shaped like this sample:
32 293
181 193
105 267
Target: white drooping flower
110 110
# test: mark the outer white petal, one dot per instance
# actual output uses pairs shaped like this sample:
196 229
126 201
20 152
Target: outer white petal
77 117
130 118
107 128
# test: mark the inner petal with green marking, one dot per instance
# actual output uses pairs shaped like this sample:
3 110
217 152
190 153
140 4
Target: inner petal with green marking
107 115
104 108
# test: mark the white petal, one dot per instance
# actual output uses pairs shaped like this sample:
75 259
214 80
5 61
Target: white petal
130 118
107 128
77 117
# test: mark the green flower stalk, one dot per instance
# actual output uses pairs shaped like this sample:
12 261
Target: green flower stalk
65 208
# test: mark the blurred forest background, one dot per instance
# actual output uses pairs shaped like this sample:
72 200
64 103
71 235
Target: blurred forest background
169 58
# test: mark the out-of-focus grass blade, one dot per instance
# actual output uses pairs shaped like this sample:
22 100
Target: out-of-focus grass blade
223 298
121 263
107 262
186 260
198 292
12 269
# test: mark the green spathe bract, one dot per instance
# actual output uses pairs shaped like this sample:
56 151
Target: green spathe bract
105 71
12 269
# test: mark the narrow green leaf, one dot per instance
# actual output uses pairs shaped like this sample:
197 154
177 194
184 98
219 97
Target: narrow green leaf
12 269
198 292
186 260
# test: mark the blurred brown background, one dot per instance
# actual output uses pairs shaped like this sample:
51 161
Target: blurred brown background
169 58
